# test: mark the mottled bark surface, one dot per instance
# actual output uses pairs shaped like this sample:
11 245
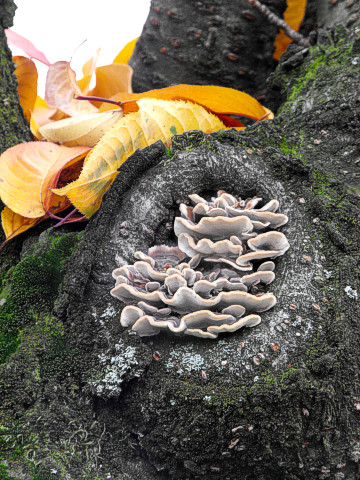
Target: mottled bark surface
84 398
215 42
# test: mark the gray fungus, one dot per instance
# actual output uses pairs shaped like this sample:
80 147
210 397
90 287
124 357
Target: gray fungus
213 281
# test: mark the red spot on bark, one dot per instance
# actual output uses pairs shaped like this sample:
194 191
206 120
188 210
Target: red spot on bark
232 57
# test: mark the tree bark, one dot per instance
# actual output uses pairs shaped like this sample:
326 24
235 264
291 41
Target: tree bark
13 125
206 43
82 397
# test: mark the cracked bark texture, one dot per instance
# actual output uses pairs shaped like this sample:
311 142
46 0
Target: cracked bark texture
279 401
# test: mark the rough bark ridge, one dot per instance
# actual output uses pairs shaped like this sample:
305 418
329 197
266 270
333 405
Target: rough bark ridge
279 401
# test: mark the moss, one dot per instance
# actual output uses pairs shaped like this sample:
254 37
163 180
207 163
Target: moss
31 291
327 59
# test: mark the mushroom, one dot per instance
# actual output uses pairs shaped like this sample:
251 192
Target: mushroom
211 292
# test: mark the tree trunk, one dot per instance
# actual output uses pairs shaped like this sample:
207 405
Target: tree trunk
206 43
13 126
83 397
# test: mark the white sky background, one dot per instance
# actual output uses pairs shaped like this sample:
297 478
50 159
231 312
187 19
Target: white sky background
57 28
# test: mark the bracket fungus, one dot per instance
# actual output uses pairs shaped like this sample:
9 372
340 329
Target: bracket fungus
213 281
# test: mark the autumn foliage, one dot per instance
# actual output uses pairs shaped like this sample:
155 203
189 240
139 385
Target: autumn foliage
80 144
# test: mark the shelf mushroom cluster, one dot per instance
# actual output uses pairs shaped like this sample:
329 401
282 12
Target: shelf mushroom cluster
213 281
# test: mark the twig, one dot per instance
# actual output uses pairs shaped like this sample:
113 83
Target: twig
275 20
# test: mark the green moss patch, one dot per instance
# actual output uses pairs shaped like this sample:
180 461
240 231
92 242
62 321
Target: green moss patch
31 289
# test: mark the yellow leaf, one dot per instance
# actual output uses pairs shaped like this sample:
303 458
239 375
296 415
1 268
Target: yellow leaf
218 100
40 115
293 16
88 70
27 77
29 170
60 89
80 130
112 79
14 224
125 54
155 120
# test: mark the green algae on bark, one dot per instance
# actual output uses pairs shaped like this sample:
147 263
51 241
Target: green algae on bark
30 290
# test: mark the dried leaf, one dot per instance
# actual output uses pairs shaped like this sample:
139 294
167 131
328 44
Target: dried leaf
14 224
60 89
125 54
27 76
218 100
112 79
26 46
29 170
155 120
88 70
80 130
293 16
40 115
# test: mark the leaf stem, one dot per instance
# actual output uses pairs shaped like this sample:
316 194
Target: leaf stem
63 220
97 99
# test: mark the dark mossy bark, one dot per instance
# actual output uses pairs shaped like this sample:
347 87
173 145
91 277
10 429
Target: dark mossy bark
86 398
13 125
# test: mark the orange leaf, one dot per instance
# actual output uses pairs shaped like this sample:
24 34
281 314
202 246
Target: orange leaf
40 115
60 89
112 79
88 70
26 46
125 54
29 170
218 100
27 76
155 120
293 16
14 224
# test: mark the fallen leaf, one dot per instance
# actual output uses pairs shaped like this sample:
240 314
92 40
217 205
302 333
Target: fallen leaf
60 89
80 130
231 122
155 120
26 46
27 76
125 54
88 70
293 16
29 170
112 79
14 224
40 115
218 100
